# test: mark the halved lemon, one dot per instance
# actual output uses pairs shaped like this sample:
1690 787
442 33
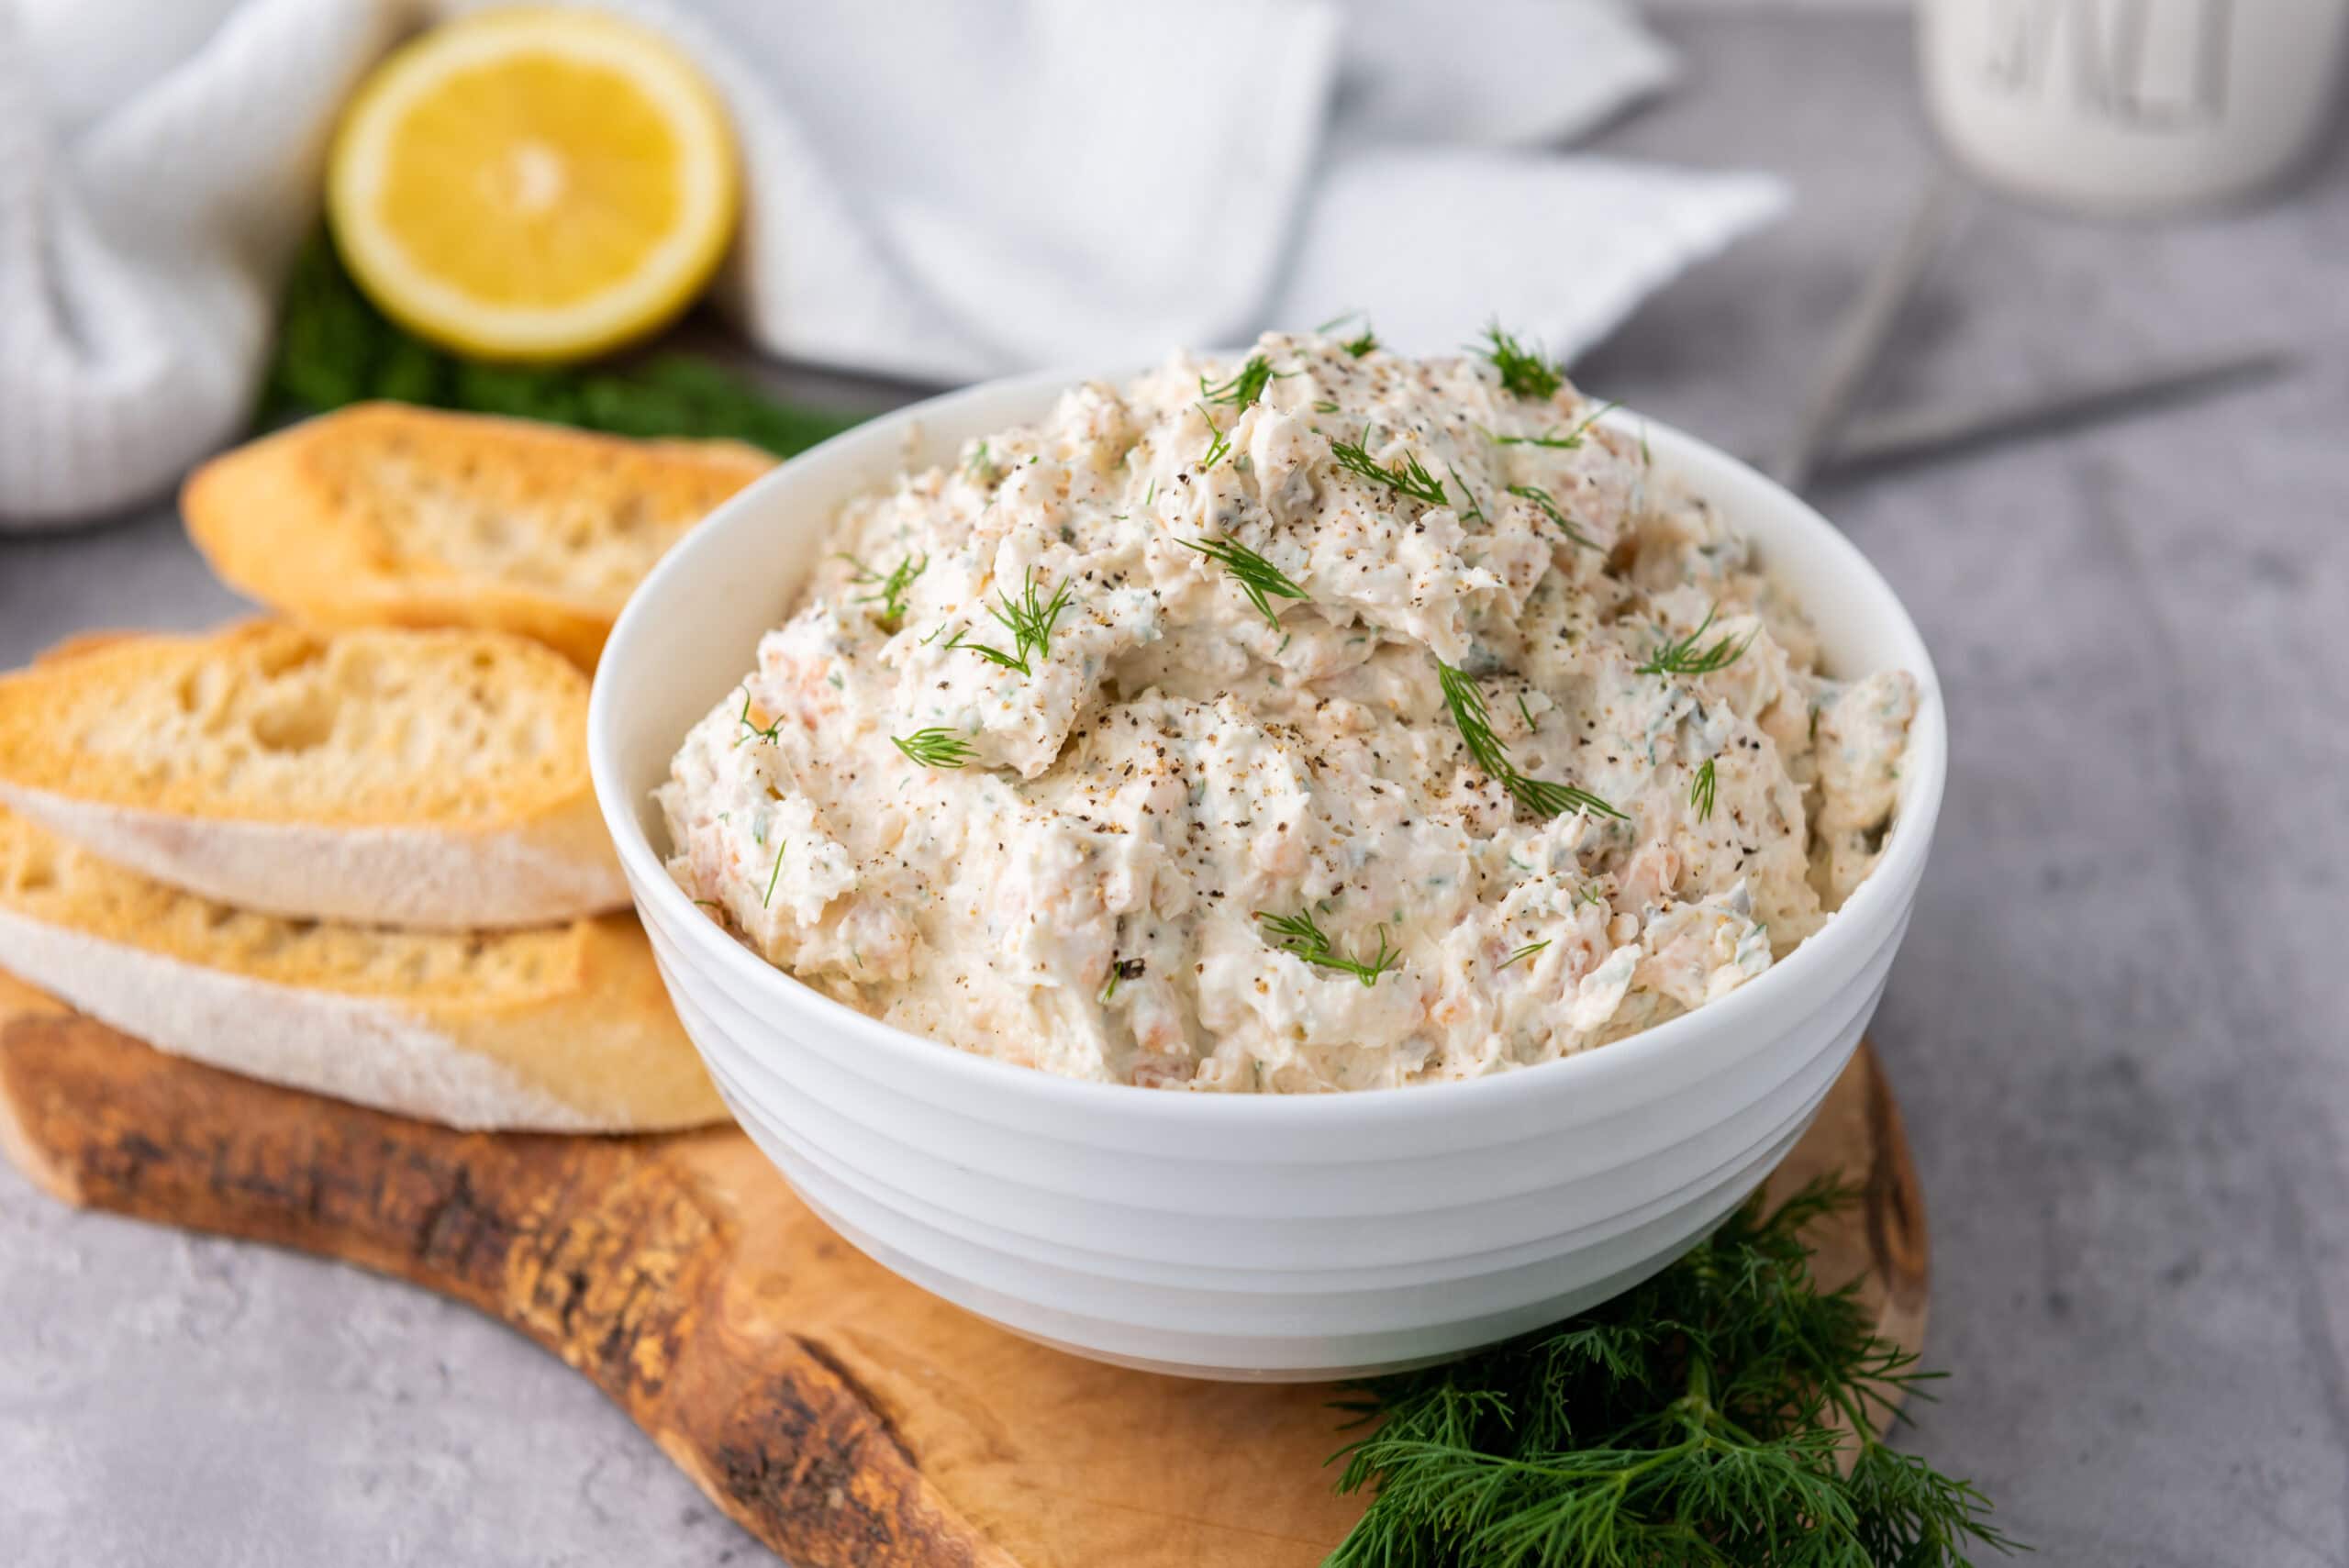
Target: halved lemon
533 183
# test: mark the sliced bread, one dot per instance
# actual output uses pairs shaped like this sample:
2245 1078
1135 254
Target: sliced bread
385 514
559 1029
433 779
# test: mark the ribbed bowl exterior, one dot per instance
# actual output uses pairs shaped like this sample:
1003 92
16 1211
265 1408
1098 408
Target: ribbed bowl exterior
1238 1237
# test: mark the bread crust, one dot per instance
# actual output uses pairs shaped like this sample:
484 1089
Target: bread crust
356 1049
383 514
565 1029
103 744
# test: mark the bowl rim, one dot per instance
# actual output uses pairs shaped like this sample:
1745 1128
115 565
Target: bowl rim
1877 902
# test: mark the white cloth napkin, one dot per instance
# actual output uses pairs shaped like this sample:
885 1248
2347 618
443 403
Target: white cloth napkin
945 190
157 171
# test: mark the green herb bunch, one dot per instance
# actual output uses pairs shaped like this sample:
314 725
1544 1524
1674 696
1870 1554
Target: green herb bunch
1702 1419
335 348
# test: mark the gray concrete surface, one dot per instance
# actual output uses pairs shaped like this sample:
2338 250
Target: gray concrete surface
2118 1025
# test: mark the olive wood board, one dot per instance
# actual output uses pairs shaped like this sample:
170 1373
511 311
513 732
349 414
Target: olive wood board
844 1417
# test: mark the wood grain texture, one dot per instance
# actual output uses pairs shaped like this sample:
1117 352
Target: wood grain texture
841 1416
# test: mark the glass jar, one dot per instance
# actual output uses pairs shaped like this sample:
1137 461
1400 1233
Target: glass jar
2131 106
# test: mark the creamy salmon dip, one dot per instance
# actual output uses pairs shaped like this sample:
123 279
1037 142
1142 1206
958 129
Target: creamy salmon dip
1328 720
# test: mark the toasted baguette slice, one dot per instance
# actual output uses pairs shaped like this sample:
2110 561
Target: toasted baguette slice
559 1029
383 513
433 779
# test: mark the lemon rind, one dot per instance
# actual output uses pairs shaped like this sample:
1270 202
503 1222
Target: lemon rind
672 274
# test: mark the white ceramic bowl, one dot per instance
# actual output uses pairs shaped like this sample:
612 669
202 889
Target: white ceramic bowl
1239 1236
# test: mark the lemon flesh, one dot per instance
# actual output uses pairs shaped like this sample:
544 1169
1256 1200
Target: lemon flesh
533 184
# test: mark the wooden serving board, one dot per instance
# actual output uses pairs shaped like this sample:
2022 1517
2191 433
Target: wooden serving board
844 1417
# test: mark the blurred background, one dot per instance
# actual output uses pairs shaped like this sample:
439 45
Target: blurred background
2044 302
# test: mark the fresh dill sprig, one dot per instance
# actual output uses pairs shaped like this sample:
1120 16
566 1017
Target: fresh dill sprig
1299 935
1028 618
1362 342
1701 1417
1681 656
1256 576
888 592
334 347
932 748
1700 794
1567 442
1467 700
1120 970
1217 448
1408 478
1543 797
1246 387
1524 373
777 875
1582 427
751 731
993 655
1547 797
1550 509
1528 951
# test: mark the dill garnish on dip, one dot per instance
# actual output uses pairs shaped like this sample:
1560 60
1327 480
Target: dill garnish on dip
1213 734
